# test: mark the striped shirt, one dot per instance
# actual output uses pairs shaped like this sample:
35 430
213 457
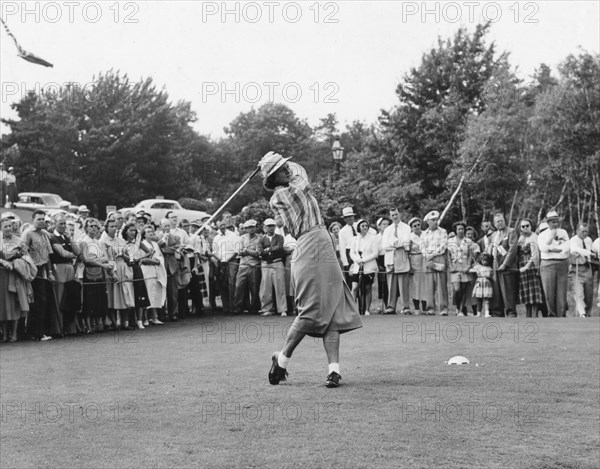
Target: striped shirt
295 203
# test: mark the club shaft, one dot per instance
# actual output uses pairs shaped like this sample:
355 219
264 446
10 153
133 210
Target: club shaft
207 222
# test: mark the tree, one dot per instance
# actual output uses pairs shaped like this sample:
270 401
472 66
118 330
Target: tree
494 150
114 143
566 132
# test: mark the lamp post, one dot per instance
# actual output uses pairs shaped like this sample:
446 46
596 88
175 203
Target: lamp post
338 155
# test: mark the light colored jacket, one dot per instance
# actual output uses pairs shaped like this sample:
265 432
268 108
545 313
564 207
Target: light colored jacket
369 246
393 241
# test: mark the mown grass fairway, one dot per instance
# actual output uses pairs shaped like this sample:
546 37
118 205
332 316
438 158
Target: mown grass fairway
195 394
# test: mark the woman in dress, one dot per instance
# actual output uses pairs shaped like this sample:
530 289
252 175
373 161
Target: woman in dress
419 279
120 290
133 253
16 289
364 252
96 262
155 274
528 255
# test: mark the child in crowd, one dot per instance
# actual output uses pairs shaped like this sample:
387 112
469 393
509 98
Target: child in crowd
483 285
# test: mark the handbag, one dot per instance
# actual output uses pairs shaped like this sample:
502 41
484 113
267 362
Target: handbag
93 273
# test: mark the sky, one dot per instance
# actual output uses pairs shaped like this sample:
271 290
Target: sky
344 57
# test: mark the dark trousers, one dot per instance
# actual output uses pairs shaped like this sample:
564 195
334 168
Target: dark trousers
505 290
172 296
182 302
247 280
196 293
37 316
347 276
212 286
227 275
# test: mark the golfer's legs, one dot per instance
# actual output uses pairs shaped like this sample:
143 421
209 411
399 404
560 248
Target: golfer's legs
331 342
294 337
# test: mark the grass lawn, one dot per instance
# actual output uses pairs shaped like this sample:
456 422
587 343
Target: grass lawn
195 394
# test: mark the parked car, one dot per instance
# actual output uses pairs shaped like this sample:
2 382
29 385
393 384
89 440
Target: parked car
158 208
41 201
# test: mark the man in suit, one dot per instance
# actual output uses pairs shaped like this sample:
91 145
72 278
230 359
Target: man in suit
270 248
396 243
503 249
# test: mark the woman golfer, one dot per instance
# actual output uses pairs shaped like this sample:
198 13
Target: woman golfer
325 305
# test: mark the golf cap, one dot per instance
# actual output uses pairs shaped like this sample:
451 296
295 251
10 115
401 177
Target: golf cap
433 215
348 212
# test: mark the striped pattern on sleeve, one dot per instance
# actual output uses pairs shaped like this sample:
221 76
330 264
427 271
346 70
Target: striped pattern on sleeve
295 204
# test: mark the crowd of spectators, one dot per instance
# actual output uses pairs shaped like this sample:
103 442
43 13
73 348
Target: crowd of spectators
64 274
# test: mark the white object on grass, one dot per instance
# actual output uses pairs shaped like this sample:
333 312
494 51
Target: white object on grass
458 360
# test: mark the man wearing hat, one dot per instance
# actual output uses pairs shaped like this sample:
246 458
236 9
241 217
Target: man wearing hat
554 265
346 237
325 305
434 248
396 243
270 248
11 186
248 276
83 212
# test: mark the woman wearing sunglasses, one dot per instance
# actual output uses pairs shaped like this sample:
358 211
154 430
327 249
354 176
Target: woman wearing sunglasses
528 255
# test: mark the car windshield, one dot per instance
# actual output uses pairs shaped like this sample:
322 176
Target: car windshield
52 199
165 205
